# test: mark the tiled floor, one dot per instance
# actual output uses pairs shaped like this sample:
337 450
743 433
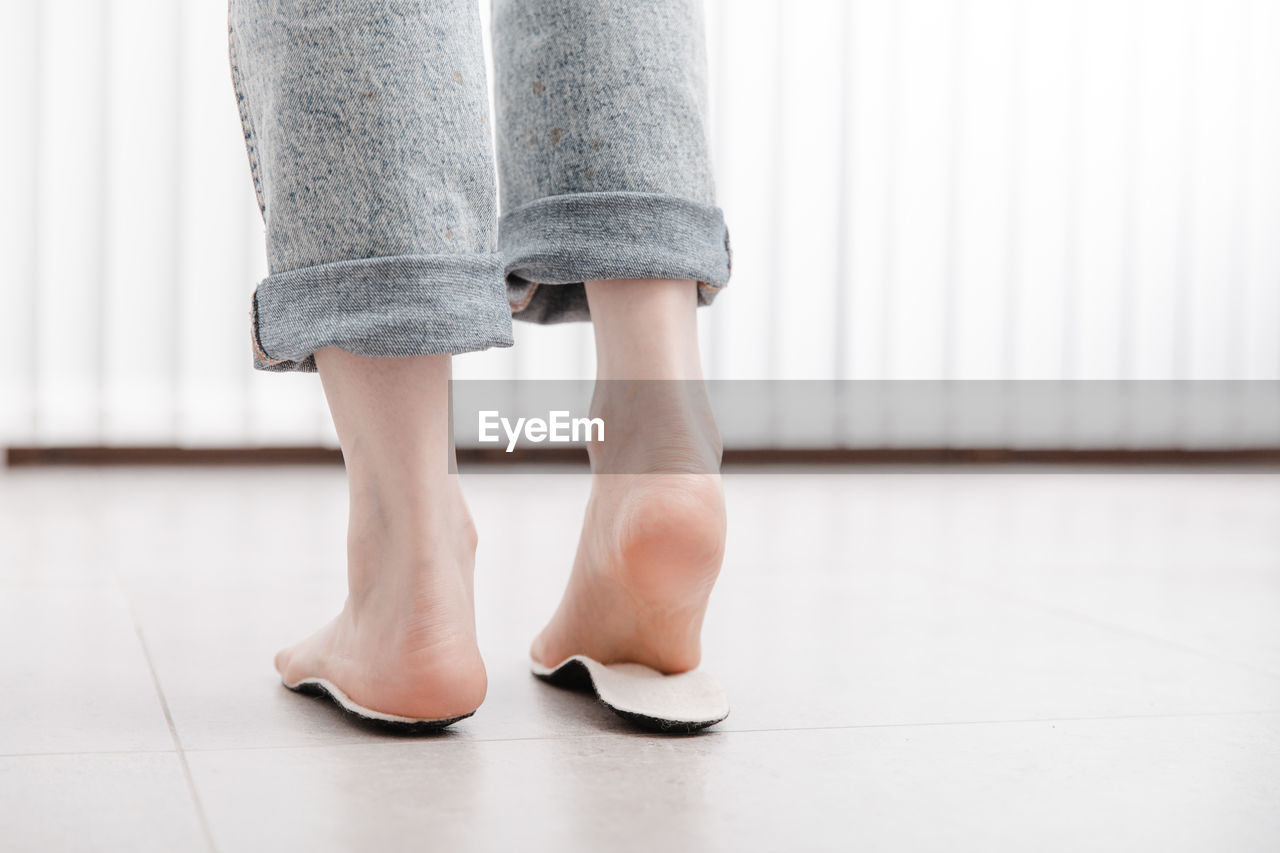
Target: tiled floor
917 659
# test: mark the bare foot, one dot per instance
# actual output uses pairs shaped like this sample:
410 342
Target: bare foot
653 537
649 555
405 642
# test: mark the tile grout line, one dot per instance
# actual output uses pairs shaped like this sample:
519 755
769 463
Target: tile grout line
173 729
1102 718
722 733
629 734
85 753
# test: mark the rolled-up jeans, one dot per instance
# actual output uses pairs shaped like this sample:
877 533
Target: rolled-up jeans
368 131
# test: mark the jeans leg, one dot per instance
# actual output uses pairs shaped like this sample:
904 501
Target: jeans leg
368 133
603 153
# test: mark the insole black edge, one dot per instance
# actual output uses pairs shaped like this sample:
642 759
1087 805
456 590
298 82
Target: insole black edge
417 727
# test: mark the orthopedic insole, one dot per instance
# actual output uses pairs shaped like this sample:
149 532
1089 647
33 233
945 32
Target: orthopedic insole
387 722
676 704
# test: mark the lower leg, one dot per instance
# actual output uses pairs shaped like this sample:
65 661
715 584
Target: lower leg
645 328
404 642
653 538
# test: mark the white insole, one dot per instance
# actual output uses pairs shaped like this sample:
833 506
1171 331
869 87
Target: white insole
686 701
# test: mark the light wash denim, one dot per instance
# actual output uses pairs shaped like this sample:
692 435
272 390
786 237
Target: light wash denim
367 126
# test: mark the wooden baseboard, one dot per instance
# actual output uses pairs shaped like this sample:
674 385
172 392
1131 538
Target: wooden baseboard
159 455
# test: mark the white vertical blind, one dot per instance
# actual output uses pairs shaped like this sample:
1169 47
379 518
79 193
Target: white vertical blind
915 189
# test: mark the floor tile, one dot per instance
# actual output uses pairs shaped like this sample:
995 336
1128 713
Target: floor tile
1025 659
874 633
107 802
1156 784
52 529
878 649
75 676
897 646
1192 558
213 649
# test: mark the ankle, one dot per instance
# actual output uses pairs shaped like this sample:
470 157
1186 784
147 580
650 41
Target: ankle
655 427
404 537
645 328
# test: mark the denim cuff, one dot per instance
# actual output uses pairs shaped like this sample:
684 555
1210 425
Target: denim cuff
389 306
567 240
